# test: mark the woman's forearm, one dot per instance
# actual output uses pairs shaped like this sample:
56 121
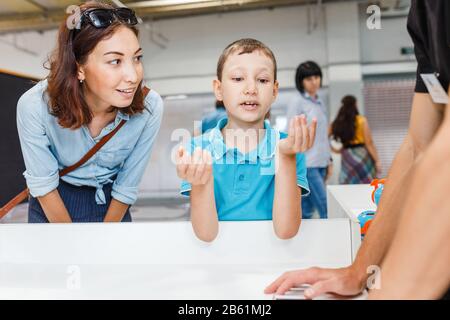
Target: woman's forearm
116 211
372 151
54 207
203 211
287 197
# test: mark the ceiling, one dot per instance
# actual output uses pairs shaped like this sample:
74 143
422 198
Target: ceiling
21 15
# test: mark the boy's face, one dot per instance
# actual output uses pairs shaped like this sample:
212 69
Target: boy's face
248 87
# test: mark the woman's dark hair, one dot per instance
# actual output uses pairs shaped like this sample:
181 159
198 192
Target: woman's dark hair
305 70
344 126
66 99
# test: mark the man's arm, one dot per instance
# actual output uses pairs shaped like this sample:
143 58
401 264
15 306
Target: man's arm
417 265
426 117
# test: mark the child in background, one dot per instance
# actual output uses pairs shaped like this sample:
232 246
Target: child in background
243 169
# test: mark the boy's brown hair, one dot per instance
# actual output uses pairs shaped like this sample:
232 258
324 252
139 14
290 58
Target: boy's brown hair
246 45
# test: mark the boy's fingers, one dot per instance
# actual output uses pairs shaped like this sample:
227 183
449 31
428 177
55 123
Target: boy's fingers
208 157
305 135
182 162
207 169
298 138
192 167
312 132
179 154
206 173
181 151
181 170
201 166
197 156
291 132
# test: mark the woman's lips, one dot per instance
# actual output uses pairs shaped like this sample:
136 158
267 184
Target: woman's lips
126 95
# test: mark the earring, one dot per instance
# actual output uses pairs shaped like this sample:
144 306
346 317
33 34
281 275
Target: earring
81 81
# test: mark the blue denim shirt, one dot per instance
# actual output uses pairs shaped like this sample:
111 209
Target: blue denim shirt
244 184
320 153
47 147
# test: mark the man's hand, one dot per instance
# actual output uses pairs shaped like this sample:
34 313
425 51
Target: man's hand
344 281
195 169
300 137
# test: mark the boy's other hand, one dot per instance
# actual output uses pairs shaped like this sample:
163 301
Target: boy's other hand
300 137
196 168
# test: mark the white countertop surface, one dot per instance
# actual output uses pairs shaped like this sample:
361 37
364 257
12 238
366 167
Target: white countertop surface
160 260
353 198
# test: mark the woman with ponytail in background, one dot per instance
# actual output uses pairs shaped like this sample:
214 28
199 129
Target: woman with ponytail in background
360 162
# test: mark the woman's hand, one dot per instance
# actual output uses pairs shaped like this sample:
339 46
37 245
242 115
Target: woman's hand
329 172
300 137
378 167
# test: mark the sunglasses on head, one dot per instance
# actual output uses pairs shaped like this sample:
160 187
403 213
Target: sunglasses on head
102 18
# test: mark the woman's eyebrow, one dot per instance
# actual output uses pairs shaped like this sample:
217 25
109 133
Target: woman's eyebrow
120 53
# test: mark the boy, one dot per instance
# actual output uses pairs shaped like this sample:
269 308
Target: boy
242 151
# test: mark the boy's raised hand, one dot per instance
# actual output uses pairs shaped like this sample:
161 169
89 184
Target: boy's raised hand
300 137
196 168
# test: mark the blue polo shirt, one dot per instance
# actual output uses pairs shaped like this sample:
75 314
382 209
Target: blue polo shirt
244 184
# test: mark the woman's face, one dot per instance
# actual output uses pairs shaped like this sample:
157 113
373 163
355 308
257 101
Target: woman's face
312 85
113 71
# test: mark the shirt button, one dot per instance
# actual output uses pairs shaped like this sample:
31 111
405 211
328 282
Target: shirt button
241 177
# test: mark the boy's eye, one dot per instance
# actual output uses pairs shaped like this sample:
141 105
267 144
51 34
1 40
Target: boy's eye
238 79
263 80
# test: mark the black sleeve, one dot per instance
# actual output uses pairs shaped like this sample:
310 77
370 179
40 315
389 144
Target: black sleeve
417 29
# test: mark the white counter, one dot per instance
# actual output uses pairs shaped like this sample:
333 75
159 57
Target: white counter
160 260
348 201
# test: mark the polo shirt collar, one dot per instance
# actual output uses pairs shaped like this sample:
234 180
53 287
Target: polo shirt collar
265 150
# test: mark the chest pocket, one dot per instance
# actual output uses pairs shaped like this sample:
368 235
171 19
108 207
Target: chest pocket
112 159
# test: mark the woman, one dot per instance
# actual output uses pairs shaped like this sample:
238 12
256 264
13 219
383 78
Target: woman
308 80
360 162
95 82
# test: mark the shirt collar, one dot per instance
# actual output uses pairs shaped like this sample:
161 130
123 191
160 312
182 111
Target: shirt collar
121 116
265 150
306 95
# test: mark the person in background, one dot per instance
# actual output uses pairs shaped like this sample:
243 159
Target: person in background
308 80
359 158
